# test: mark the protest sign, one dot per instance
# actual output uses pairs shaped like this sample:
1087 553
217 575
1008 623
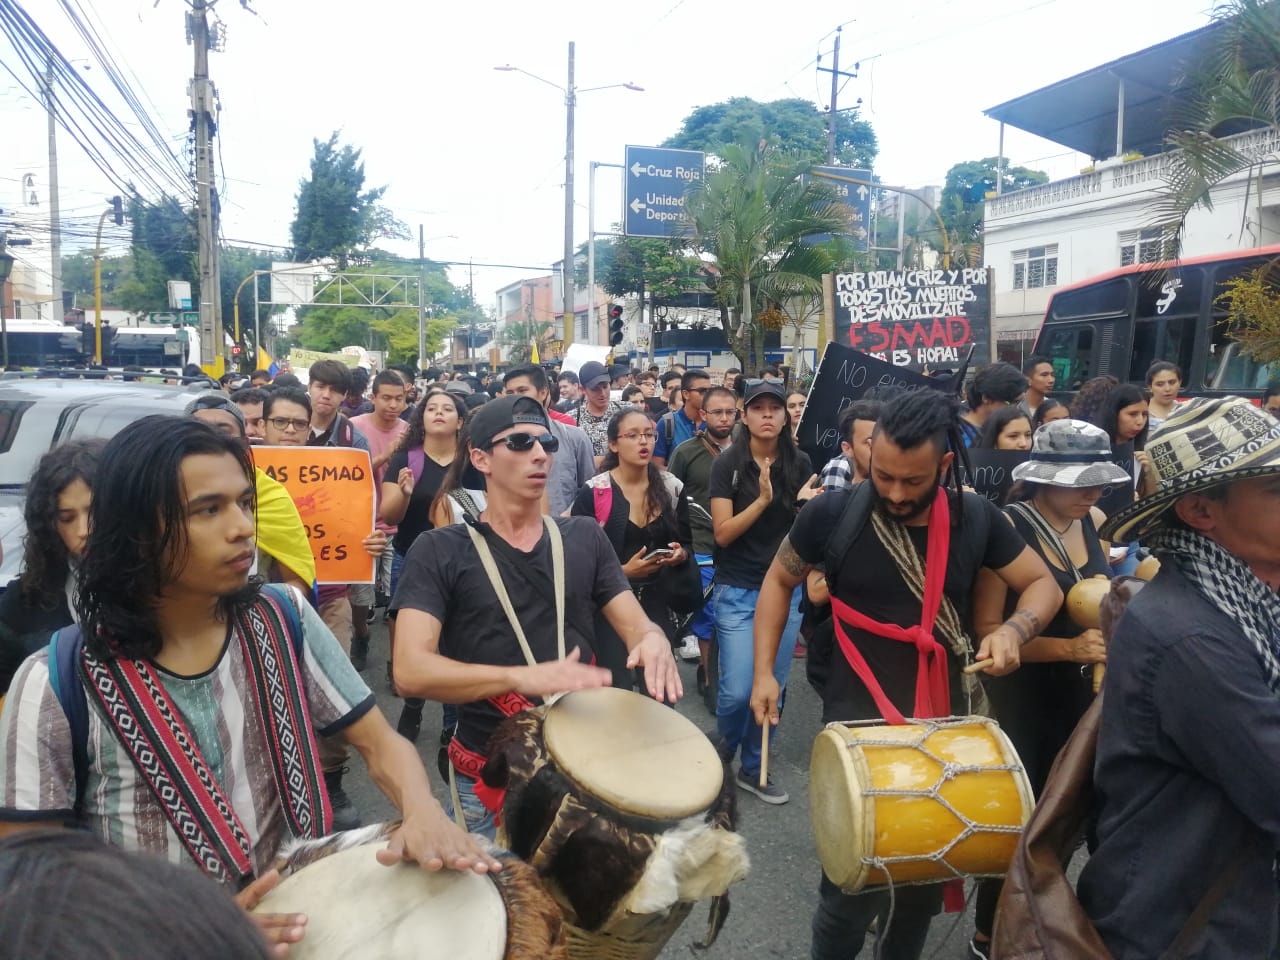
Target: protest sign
332 487
844 375
914 318
991 472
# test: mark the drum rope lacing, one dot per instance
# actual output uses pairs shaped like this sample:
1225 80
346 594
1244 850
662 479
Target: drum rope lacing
949 771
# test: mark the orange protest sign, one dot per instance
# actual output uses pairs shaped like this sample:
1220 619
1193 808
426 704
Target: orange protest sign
332 488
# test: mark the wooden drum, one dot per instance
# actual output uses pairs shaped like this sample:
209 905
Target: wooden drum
918 803
356 907
621 805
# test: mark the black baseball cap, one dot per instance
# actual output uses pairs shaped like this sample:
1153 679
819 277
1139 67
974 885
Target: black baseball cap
764 388
497 415
593 373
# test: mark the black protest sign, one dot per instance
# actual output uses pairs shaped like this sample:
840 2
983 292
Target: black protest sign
915 318
991 472
843 376
1119 495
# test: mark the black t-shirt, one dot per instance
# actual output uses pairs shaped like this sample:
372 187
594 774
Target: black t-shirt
417 517
744 562
868 580
443 576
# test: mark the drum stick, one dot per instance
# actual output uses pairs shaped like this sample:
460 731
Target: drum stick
977 667
764 753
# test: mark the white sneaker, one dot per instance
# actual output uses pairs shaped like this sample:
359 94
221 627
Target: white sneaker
689 649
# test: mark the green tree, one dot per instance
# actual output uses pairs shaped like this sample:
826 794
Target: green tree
961 204
753 214
519 337
1235 88
77 277
163 249
631 265
336 217
795 126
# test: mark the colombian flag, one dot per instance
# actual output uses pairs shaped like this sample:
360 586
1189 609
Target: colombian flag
265 361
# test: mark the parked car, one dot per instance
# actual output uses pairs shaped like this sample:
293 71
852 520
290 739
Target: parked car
39 413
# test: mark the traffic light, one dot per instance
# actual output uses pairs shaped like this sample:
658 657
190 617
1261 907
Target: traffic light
117 210
237 351
615 324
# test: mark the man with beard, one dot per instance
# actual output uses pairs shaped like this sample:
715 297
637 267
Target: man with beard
691 465
896 658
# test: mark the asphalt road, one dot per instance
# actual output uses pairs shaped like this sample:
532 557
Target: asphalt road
772 908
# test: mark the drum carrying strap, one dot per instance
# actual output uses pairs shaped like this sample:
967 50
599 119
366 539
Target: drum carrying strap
504 600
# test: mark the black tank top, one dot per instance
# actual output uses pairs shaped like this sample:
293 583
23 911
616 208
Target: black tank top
1061 625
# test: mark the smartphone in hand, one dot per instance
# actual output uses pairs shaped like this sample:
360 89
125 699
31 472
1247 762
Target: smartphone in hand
659 553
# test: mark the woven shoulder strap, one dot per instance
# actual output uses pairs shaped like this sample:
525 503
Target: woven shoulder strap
495 579
1049 536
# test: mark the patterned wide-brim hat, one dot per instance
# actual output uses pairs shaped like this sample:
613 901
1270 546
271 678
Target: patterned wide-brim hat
1204 443
1071 453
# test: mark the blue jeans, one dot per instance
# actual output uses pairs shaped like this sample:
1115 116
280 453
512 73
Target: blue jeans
397 564
735 618
704 620
479 817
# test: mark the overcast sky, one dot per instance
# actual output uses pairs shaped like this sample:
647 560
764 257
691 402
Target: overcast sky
477 156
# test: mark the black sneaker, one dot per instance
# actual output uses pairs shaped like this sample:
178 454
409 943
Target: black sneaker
371 617
770 793
979 949
360 652
345 816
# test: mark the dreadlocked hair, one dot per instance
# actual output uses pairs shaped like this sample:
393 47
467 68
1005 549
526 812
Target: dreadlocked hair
926 415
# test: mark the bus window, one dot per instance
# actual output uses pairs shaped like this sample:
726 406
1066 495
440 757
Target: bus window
1228 367
1070 350
1145 333
1108 298
1179 343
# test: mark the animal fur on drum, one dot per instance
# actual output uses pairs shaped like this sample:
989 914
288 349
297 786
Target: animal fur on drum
535 923
598 861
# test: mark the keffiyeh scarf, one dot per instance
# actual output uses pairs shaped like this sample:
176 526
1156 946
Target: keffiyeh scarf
1230 586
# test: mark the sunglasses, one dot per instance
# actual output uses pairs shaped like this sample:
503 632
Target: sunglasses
523 442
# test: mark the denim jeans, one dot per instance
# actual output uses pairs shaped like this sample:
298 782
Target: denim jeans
840 923
702 622
735 618
479 817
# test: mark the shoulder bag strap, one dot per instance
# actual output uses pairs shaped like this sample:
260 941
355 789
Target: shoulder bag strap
1048 535
504 600
1199 919
64 677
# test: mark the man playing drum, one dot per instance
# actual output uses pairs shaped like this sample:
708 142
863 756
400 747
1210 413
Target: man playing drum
184 723
1188 764
456 643
886 544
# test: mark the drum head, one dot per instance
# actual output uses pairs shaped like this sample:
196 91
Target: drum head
633 753
356 907
843 823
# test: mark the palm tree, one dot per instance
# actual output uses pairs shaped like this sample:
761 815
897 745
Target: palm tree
519 336
752 215
1235 88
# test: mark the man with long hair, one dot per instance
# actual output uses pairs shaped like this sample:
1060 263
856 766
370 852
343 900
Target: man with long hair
908 533
181 717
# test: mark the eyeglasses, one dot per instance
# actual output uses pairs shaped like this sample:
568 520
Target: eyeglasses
724 414
695 389
633 437
285 424
523 442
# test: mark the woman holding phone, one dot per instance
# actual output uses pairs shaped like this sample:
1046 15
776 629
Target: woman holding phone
647 522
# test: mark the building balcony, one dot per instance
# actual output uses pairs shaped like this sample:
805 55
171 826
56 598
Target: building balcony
1115 180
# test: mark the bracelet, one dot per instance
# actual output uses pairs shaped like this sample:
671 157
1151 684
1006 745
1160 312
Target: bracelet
1017 628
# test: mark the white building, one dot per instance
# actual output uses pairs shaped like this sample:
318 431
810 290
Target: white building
1046 237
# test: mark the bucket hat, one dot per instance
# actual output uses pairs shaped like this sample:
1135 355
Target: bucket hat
1071 453
1205 442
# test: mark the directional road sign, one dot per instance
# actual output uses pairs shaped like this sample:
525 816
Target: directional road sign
657 181
856 199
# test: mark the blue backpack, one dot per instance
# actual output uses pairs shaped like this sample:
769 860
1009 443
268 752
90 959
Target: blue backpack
64 653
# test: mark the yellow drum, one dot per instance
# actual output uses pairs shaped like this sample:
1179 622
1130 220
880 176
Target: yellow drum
918 803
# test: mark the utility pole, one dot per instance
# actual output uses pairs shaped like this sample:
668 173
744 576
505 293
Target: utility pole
422 297
55 212
570 101
206 215
833 110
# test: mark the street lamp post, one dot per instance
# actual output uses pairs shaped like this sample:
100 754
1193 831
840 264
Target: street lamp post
6 267
570 103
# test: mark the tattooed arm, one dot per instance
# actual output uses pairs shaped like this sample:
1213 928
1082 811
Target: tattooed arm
1039 598
786 573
